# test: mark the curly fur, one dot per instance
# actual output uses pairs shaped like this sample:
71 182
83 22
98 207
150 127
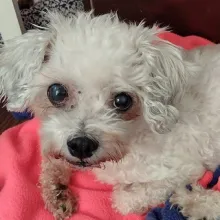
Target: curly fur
168 138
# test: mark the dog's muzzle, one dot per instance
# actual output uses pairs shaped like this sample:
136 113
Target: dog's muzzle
82 147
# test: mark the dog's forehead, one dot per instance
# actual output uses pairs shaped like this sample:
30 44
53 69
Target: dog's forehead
94 56
94 66
94 53
94 43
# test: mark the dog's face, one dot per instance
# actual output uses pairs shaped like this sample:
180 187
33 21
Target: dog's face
89 111
95 83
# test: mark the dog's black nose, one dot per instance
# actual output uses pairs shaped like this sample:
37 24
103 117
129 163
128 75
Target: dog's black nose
82 147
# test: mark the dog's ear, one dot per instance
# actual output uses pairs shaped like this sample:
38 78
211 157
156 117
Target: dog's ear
20 60
166 73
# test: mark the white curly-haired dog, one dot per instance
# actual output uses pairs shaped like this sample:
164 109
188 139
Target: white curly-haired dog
141 112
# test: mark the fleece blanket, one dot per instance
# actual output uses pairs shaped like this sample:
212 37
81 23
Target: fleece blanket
20 161
20 197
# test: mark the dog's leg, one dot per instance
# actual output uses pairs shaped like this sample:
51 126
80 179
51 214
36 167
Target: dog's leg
139 197
54 182
151 169
197 204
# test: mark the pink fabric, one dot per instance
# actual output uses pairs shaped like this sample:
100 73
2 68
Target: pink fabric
207 178
20 160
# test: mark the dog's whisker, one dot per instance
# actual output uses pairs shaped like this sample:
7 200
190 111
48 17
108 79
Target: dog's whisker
61 148
44 109
118 150
38 86
111 157
48 158
95 154
50 77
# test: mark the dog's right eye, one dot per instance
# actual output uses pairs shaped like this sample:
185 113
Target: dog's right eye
122 102
57 94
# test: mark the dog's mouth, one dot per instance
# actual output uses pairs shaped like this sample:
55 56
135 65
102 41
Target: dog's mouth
82 163
85 164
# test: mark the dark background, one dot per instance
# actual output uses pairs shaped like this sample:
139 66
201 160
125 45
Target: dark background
185 17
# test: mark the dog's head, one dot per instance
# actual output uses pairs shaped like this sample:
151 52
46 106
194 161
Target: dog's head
95 82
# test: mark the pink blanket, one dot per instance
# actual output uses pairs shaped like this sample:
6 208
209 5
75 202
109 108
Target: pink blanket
20 160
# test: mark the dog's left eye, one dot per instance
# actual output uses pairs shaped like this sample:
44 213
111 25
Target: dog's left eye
57 94
123 102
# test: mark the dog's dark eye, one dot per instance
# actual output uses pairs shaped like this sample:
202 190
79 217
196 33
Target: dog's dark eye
122 102
57 94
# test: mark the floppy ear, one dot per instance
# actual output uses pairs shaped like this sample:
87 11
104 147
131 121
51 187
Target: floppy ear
20 60
167 78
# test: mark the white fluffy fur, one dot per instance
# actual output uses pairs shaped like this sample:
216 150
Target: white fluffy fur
171 143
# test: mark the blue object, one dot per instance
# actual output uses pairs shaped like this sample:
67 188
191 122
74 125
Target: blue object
168 212
214 181
172 212
22 115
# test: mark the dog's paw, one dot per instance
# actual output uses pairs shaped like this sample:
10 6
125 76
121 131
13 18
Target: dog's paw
126 201
62 203
197 204
186 203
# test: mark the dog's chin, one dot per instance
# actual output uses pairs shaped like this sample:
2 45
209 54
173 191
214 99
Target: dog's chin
84 164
